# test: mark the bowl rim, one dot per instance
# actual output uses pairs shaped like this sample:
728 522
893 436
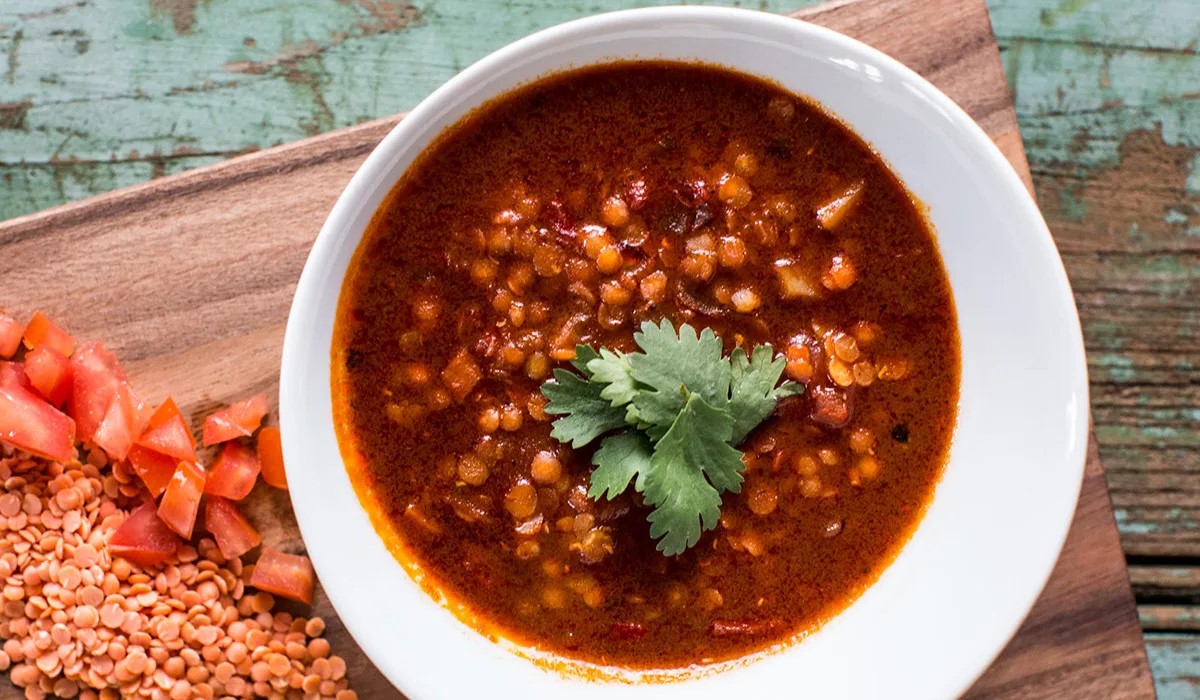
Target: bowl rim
411 127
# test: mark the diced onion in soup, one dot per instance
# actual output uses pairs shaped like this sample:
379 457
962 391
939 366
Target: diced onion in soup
830 214
795 282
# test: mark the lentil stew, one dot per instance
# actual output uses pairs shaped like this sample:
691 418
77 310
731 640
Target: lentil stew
570 211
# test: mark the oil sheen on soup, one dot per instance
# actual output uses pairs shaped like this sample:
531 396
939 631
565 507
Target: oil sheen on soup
570 211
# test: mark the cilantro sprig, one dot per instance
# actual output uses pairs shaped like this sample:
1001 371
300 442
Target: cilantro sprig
671 418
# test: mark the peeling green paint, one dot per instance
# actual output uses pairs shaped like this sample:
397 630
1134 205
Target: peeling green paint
1117 367
1193 181
229 75
1131 525
1175 663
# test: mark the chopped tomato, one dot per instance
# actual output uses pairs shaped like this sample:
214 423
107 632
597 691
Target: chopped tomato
181 501
41 331
270 455
233 532
234 472
116 432
11 331
13 374
97 376
170 437
49 372
287 575
28 423
154 469
164 413
238 420
144 538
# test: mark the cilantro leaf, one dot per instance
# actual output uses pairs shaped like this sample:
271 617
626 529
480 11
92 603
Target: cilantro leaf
612 368
669 362
672 365
683 407
686 502
753 393
586 415
620 458
583 355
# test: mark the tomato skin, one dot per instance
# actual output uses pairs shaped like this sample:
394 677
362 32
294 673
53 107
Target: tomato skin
170 437
235 535
234 472
288 575
144 538
181 500
164 413
239 419
28 423
41 331
13 374
97 377
165 442
116 432
11 331
154 469
49 372
270 455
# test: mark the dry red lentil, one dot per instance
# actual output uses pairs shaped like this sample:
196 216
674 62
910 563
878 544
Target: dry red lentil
78 623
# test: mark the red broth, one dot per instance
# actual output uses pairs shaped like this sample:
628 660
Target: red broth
572 210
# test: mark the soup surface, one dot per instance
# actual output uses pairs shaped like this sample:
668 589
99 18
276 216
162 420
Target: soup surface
570 211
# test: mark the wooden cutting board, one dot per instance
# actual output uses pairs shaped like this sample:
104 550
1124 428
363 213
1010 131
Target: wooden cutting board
189 278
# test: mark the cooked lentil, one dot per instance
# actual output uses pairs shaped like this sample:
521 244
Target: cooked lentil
569 212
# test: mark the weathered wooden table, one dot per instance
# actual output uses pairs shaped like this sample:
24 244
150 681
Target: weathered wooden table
93 97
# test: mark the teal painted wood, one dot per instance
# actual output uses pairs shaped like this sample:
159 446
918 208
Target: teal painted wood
97 95
1175 663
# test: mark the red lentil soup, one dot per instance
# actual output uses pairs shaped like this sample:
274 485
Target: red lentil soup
570 211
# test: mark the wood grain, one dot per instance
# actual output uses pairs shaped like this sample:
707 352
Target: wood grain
190 277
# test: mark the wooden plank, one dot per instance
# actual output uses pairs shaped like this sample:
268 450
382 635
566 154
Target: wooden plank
189 277
1169 618
1158 582
1106 96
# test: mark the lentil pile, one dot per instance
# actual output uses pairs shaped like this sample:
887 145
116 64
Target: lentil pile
77 622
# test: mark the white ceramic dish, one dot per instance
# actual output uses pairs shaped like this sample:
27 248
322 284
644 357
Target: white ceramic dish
960 588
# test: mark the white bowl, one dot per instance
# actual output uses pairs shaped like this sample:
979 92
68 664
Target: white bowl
961 586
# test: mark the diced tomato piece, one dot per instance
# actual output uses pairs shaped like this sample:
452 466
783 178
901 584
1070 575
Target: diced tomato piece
171 437
97 376
270 455
28 423
233 532
153 468
238 420
49 372
13 374
287 575
11 331
234 472
41 331
117 431
144 538
181 500
164 413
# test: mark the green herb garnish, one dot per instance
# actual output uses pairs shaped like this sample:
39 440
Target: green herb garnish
681 408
